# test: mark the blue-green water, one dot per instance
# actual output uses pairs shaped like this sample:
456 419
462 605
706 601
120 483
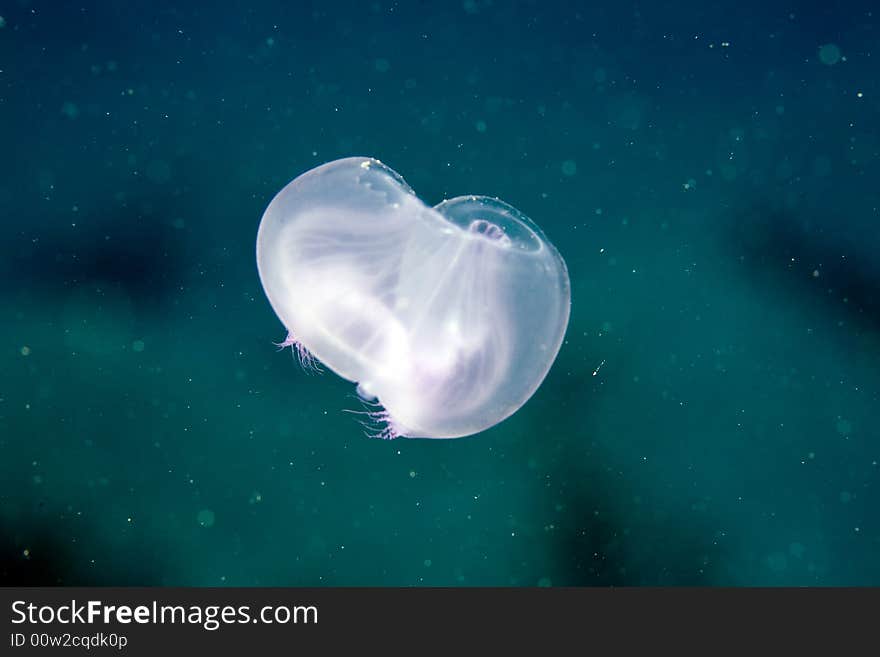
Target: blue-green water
708 170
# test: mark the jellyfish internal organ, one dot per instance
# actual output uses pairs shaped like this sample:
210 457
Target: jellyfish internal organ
449 317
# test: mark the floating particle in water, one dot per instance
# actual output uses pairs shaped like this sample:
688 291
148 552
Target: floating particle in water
784 170
777 562
829 54
821 166
2 22
481 126
205 518
382 65
70 110
470 6
159 172
137 345
25 351
447 318
569 167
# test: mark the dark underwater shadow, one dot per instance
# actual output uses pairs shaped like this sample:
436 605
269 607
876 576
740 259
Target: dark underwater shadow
817 259
40 556
42 560
622 543
609 548
138 248
607 530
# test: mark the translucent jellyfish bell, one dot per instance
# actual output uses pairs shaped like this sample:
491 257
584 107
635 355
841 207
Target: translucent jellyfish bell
449 316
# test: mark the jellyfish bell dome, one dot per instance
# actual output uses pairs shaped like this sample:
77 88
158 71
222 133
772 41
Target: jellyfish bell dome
448 316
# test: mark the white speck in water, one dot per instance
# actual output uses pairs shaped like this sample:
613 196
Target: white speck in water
205 518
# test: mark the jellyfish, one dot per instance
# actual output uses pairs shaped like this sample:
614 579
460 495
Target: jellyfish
447 318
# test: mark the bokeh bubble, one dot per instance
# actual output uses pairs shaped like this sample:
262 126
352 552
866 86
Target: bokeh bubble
829 54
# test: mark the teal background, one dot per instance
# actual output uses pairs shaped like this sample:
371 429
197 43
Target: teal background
708 171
